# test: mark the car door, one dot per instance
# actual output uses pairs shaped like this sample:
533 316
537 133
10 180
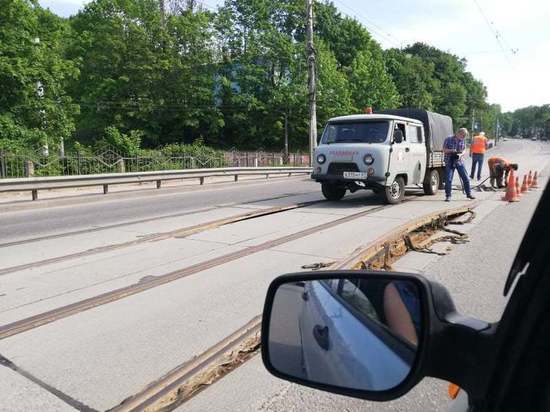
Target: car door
417 154
399 153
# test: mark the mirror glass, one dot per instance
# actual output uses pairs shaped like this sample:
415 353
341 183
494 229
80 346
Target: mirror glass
356 333
397 136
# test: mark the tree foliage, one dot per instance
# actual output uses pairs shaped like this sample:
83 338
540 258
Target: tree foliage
132 75
35 107
532 121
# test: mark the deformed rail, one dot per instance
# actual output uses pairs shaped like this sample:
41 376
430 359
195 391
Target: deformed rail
34 184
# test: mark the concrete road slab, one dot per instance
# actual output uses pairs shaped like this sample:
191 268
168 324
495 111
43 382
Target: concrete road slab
113 351
22 395
255 231
31 292
106 353
355 235
62 246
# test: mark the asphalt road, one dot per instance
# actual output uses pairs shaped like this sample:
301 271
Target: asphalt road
100 356
69 214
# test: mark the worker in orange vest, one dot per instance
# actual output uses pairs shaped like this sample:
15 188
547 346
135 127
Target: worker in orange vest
477 152
499 168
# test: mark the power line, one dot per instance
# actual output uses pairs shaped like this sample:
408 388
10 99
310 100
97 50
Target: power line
496 33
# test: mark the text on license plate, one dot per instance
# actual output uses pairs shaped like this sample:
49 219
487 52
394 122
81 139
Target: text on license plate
355 175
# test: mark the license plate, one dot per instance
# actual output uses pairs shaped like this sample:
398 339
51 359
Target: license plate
355 175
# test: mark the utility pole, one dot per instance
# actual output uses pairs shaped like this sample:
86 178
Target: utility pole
286 136
496 131
473 119
311 82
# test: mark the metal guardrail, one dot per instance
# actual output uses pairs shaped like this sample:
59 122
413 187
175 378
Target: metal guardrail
34 184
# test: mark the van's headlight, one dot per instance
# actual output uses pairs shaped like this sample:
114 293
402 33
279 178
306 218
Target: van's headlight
321 159
368 159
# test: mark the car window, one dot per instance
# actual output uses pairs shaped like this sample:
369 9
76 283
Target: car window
414 134
356 132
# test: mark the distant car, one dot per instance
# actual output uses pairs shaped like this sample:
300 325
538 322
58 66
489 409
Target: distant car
534 139
504 139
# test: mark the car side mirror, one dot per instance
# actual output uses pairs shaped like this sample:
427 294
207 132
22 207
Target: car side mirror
397 136
365 334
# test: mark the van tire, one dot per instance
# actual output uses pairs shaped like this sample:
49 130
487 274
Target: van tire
431 184
395 193
333 192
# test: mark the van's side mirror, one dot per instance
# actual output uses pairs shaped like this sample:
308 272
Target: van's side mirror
370 335
397 136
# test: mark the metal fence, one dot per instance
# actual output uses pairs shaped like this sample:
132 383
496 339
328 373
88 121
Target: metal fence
265 159
16 165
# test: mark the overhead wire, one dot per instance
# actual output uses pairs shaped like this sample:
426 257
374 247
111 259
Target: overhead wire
498 36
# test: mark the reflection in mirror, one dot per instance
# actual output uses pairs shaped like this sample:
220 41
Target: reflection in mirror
355 333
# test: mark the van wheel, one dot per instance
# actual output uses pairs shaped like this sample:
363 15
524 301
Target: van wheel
395 192
333 192
431 184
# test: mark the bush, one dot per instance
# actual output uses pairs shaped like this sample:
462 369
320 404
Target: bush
125 144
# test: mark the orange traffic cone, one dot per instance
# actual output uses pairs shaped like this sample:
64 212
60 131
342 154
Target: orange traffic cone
535 184
511 193
530 180
518 189
524 187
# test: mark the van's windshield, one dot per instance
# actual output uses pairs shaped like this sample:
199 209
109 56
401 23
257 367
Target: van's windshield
356 132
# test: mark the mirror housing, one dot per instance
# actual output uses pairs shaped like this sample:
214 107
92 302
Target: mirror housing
450 346
397 136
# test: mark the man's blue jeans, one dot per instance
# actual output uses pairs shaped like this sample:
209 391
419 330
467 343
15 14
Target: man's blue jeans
449 173
477 159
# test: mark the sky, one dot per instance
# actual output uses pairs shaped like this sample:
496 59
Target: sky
506 44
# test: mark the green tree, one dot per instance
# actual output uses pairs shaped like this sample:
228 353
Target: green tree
370 83
35 109
413 78
453 90
140 72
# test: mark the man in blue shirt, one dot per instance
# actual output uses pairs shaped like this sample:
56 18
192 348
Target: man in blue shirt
454 147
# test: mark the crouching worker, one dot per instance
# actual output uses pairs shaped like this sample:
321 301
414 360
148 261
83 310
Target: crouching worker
500 169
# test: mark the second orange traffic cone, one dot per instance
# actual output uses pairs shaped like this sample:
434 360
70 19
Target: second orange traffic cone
511 193
524 187
530 179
